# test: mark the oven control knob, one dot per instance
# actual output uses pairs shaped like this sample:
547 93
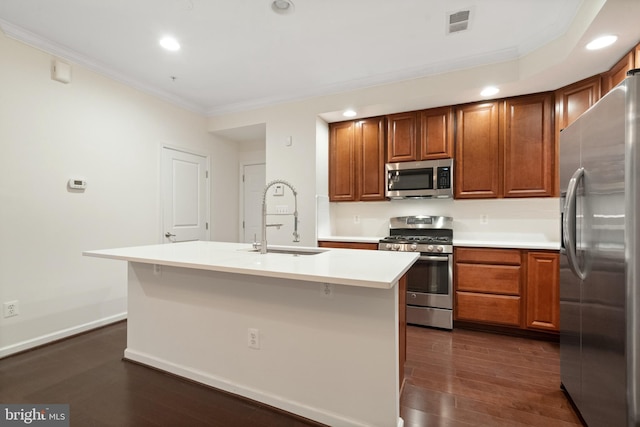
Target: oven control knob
440 248
414 246
388 246
430 248
396 246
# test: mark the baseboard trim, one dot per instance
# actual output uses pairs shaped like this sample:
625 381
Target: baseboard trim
223 384
59 335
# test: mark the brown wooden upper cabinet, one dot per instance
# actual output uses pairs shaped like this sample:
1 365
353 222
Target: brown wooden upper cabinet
401 137
356 160
575 99
618 72
528 146
420 135
435 133
506 148
571 102
636 54
477 157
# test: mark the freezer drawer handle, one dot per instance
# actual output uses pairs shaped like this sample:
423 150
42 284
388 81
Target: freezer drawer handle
569 224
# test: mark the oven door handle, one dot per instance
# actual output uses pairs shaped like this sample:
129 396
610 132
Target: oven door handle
433 258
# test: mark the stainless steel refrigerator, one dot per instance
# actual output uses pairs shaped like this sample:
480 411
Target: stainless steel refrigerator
599 296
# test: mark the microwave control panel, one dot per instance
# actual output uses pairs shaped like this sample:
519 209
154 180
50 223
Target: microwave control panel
444 177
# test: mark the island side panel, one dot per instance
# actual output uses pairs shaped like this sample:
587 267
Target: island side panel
331 359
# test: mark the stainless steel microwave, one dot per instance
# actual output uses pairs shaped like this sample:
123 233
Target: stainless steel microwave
424 179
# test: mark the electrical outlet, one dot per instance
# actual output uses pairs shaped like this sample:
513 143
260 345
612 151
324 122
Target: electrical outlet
11 308
254 338
157 270
327 290
484 219
356 219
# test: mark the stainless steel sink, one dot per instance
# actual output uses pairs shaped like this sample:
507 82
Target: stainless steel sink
290 251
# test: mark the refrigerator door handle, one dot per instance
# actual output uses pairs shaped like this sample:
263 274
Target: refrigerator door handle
569 224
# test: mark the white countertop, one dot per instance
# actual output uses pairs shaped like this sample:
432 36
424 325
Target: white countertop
478 240
351 267
506 240
347 239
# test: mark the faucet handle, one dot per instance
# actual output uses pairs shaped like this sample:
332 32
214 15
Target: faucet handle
255 243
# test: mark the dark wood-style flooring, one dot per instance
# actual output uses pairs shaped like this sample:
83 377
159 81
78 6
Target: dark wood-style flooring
459 378
467 378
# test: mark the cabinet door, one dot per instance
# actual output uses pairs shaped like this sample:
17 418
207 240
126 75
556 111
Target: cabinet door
528 146
477 156
342 162
370 164
543 291
617 73
575 99
435 133
571 102
636 55
401 137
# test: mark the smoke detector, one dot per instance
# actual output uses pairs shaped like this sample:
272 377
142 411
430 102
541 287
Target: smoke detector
282 7
458 21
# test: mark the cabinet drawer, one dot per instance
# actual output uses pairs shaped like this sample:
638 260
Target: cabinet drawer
488 256
498 309
494 279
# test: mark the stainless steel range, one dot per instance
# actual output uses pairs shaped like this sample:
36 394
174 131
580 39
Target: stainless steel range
430 279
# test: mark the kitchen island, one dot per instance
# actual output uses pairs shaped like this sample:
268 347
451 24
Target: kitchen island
314 333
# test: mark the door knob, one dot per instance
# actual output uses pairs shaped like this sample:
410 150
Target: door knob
169 235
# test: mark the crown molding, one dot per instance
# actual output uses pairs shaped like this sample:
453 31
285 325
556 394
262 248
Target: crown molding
34 40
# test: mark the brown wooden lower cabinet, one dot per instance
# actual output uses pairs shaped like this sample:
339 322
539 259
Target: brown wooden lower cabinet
543 291
516 288
347 245
500 309
402 299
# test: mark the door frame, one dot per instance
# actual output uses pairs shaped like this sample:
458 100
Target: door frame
242 164
207 158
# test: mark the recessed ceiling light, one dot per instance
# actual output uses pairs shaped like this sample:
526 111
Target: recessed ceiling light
170 43
282 7
601 42
489 91
349 113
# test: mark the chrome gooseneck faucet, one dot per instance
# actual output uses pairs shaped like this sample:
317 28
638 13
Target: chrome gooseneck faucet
296 237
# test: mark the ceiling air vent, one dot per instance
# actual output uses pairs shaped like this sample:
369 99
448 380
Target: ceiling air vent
458 21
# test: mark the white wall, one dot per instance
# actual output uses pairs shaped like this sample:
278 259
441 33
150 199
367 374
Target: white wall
536 216
111 135
318 357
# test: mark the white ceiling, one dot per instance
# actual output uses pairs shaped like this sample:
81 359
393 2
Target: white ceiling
239 55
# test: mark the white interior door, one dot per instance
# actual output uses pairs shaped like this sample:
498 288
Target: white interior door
253 182
185 201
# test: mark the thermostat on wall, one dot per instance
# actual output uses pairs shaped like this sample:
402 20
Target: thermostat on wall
77 184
